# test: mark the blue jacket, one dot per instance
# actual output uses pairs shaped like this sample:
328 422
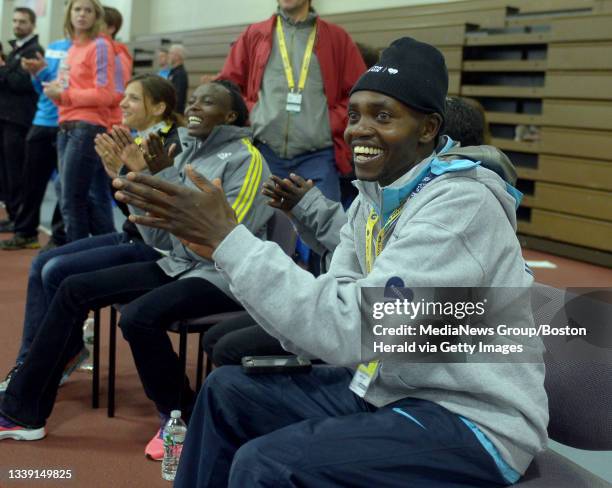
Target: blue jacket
46 110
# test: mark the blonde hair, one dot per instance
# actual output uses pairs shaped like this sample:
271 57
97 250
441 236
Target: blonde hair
95 29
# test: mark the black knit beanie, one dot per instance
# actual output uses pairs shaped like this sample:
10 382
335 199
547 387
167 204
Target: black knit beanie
412 72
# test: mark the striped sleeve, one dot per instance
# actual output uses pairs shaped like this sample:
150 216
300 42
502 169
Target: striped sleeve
102 55
250 185
101 80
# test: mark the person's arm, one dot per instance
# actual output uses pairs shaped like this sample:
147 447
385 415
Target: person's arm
318 221
123 73
236 67
158 238
321 316
15 78
102 94
329 307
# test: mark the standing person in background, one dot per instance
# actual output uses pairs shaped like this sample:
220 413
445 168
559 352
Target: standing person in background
17 108
162 61
85 94
40 150
178 75
123 59
295 71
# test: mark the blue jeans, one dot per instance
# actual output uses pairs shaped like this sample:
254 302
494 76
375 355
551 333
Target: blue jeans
50 268
85 199
310 430
318 166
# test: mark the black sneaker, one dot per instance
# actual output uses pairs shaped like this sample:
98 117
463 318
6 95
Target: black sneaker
16 243
7 380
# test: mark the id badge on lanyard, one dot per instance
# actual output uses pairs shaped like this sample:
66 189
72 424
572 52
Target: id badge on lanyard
294 102
366 373
294 97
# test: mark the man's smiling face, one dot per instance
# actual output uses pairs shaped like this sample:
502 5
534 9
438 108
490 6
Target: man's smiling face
386 137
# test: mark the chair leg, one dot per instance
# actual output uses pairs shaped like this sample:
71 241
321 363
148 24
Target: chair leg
200 363
183 360
95 383
112 358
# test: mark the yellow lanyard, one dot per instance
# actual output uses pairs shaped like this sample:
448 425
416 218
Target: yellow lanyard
282 44
380 238
369 369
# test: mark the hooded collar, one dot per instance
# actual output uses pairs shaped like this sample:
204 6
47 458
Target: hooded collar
386 199
449 157
220 136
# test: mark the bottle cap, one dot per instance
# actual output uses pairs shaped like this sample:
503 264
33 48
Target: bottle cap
175 414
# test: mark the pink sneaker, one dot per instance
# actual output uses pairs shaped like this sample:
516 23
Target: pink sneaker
10 430
155 447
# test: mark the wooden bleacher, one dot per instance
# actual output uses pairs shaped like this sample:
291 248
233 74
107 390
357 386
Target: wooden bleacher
545 64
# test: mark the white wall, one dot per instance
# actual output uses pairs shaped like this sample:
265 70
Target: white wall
167 16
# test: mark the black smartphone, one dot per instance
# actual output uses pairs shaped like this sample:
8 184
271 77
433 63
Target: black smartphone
275 364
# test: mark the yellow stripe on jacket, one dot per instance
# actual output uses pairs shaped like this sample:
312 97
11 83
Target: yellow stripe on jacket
248 191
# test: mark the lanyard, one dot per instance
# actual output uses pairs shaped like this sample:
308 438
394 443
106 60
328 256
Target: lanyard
380 238
282 44
365 373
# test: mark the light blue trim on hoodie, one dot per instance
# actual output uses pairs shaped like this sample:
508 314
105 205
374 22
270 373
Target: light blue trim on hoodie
518 196
393 197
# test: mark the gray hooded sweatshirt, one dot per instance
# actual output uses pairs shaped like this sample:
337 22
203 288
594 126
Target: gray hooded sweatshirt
228 154
458 231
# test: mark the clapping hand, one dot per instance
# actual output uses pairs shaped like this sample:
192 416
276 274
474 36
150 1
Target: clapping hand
33 66
117 149
200 217
286 193
53 90
156 156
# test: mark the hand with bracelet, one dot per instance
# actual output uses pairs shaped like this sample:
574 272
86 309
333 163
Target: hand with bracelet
287 192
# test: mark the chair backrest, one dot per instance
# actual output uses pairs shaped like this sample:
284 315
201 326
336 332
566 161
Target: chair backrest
281 231
579 391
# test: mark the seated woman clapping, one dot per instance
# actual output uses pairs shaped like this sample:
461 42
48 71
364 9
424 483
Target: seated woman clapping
179 286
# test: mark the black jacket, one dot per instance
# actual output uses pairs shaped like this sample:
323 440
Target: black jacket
17 96
178 77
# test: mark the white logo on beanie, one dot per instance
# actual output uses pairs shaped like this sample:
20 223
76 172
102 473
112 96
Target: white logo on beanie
381 69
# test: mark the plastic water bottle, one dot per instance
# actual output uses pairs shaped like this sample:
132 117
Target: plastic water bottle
88 339
63 74
174 436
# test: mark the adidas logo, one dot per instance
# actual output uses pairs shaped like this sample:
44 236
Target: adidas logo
224 155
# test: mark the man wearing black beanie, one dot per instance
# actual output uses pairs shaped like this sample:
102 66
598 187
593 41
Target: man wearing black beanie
373 416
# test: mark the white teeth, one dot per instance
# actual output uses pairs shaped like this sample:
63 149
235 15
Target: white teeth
374 151
194 120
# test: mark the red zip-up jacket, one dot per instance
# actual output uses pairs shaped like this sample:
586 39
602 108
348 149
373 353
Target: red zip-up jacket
341 66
